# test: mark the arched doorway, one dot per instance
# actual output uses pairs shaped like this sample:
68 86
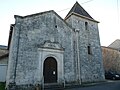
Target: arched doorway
50 70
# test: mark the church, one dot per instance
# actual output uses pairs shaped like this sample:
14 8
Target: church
45 49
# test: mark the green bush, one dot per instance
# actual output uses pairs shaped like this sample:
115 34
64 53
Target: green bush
2 86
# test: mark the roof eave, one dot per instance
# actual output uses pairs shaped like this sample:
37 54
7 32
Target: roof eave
81 16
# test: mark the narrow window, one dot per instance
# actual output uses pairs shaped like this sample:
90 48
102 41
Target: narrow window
89 50
86 25
55 26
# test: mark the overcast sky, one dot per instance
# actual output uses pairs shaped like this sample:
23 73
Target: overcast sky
107 12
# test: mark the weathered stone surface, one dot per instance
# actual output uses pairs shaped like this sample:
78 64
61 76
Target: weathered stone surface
91 66
44 35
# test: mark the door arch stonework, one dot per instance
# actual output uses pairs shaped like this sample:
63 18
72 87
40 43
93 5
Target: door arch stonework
54 52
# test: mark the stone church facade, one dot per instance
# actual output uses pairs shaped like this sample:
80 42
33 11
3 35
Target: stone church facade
44 48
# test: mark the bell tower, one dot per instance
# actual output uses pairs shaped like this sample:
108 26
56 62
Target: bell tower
88 55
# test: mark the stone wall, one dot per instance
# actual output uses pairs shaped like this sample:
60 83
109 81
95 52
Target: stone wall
91 66
29 37
30 33
3 68
111 59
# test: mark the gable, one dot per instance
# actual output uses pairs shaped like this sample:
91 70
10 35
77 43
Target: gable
41 27
32 16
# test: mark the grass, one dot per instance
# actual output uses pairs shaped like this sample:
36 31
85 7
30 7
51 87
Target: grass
2 86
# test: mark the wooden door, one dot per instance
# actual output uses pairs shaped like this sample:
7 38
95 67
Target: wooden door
50 70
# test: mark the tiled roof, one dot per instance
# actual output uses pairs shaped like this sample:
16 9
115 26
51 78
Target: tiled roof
78 9
3 47
115 44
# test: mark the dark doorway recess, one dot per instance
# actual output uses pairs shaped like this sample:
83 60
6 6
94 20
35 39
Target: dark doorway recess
50 70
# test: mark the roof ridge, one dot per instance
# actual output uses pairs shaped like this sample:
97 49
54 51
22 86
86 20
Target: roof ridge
30 15
77 8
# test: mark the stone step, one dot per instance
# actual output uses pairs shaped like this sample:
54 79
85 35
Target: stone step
53 86
56 86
